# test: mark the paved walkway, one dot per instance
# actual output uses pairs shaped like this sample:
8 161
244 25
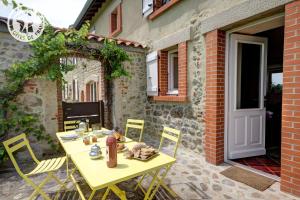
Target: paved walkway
191 178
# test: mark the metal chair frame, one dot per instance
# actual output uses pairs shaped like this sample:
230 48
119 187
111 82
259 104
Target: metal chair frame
46 166
135 124
175 136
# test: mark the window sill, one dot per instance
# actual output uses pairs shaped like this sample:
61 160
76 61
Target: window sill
171 98
162 9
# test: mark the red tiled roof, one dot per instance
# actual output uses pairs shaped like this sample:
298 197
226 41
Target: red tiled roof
100 38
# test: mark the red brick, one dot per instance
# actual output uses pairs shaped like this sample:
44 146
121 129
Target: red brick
214 106
290 148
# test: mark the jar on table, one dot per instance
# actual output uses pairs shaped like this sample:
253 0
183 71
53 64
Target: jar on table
111 152
86 140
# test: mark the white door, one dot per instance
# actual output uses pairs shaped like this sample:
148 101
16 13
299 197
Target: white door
247 70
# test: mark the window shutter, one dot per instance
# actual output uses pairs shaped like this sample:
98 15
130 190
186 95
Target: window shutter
152 74
147 7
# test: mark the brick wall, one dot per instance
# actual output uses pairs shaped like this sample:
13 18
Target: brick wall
60 120
214 107
182 69
163 72
290 149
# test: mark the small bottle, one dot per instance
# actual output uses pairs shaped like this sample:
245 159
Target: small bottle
111 151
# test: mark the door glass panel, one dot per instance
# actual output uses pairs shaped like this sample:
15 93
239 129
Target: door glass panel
248 76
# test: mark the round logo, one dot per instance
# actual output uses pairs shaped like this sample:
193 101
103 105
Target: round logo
25 25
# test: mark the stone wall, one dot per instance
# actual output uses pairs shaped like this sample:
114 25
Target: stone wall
129 93
39 95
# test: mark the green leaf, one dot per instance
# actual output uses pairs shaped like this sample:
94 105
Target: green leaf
5 2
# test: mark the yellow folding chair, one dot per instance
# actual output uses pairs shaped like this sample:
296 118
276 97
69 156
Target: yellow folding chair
70 125
135 124
175 136
46 166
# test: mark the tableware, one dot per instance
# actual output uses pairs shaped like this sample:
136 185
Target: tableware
146 159
86 140
98 133
95 152
94 138
70 136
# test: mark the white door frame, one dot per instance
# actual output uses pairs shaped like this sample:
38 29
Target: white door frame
226 113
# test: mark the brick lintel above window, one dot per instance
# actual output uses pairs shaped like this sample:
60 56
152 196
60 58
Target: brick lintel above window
160 7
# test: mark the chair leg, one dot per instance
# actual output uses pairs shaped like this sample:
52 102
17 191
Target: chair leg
159 183
37 189
140 182
57 180
151 185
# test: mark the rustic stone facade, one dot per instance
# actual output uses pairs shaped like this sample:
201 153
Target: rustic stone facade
39 96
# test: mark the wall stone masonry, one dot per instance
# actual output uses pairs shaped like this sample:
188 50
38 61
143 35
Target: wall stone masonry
39 95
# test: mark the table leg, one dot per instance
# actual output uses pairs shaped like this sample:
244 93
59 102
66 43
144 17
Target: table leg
120 193
106 193
92 195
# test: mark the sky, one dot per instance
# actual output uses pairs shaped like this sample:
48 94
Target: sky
60 13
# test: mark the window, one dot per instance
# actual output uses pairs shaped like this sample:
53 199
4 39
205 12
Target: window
116 21
74 60
91 91
165 1
66 90
75 90
158 7
173 72
167 74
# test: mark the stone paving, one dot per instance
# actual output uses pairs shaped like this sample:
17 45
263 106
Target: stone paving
191 178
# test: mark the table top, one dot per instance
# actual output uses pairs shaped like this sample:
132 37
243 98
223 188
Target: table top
76 146
98 175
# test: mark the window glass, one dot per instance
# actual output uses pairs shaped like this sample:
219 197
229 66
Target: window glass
248 75
277 78
175 72
165 1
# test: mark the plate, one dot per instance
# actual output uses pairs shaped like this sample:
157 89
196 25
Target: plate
149 158
71 136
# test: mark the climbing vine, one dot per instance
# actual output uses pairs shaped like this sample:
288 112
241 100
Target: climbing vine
44 61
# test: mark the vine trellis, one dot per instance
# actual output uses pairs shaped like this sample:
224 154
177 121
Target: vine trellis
44 61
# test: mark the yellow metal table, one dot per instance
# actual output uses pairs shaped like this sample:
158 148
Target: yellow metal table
75 146
98 175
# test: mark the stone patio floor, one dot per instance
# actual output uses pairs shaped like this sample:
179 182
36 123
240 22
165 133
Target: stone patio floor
191 178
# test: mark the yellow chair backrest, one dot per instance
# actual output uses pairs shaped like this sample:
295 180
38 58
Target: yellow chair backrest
71 125
170 134
136 124
15 144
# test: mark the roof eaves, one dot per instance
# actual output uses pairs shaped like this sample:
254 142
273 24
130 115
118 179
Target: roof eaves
89 9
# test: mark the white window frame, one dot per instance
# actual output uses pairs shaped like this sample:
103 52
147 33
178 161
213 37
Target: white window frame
171 89
93 91
66 90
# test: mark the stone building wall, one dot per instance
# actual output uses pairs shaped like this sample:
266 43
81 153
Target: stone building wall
129 93
188 116
39 95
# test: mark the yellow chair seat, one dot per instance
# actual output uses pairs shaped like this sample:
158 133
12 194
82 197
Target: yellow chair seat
48 166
